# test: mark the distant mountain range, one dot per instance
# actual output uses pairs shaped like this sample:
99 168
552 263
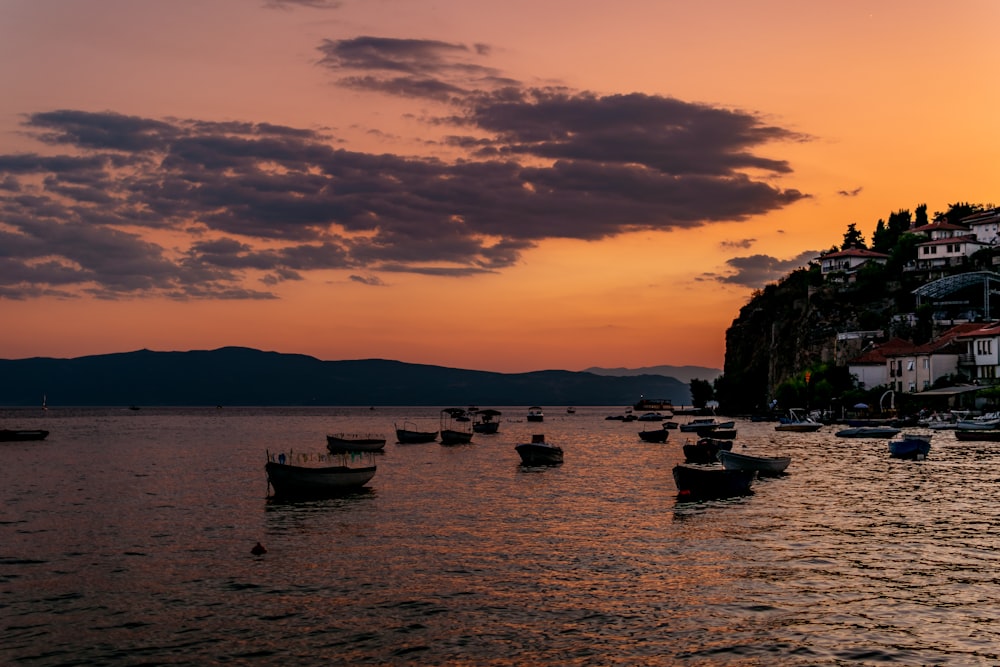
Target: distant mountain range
683 373
244 376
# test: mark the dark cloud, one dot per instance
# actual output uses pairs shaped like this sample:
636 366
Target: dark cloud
756 271
740 243
270 203
850 193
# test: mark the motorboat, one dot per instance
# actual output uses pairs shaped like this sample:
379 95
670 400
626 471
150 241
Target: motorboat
702 482
910 446
765 466
451 433
539 452
535 414
307 479
354 442
798 422
706 423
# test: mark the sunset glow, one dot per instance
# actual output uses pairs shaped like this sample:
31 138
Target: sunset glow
512 187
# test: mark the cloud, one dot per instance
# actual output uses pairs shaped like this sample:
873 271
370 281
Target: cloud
310 4
850 193
265 203
756 271
741 243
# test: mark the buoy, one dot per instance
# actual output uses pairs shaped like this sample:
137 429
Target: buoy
258 549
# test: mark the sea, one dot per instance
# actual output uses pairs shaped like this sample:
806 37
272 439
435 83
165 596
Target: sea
126 538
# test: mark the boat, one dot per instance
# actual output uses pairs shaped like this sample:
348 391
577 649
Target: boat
973 434
868 432
535 414
718 431
486 421
571 410
539 452
354 442
654 404
910 446
305 481
650 417
798 422
12 435
764 466
409 435
702 423
696 482
450 435
706 450
656 435
984 423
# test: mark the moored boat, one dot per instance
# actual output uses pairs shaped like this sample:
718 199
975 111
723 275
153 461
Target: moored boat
353 442
12 435
695 482
972 434
535 414
452 434
910 446
765 466
706 450
486 421
409 435
539 452
868 432
798 422
656 435
305 481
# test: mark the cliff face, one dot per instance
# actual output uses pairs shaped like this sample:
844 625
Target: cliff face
792 326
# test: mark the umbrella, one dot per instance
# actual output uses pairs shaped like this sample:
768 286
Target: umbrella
860 406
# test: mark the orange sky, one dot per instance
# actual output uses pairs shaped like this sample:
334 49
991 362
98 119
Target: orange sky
511 187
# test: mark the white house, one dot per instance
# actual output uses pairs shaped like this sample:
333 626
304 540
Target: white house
985 225
947 251
980 356
844 264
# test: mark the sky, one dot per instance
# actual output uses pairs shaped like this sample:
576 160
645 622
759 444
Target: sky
508 187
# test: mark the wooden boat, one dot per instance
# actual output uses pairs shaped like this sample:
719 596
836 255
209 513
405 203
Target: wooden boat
910 446
706 450
538 452
868 432
486 421
798 423
696 482
12 435
972 434
302 481
409 435
656 435
765 466
535 414
352 442
450 434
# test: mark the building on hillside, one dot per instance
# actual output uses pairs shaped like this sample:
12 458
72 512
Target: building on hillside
946 253
870 369
963 297
941 229
843 265
985 225
980 357
917 368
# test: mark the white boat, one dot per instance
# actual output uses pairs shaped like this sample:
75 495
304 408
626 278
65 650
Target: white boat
987 422
799 422
309 479
535 414
762 465
539 452
706 423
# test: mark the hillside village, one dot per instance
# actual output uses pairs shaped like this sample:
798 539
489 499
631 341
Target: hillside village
913 325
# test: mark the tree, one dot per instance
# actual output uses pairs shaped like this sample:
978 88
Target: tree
853 238
701 392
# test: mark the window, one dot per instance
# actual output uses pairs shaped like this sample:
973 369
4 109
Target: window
927 363
909 365
913 387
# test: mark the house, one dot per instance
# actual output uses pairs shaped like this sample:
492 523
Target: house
980 357
985 225
844 265
918 367
870 369
940 229
947 251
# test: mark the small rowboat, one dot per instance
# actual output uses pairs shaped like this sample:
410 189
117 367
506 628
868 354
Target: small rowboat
765 466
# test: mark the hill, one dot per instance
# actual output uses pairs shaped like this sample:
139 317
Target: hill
683 373
243 376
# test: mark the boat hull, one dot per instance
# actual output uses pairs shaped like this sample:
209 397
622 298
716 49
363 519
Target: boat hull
12 435
406 437
968 435
706 482
451 437
799 427
658 435
299 481
766 466
910 448
537 454
337 444
868 432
